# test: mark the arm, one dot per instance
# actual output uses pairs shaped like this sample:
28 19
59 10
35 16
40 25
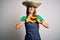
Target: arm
44 24
19 24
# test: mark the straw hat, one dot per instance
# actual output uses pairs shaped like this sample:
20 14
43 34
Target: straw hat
30 3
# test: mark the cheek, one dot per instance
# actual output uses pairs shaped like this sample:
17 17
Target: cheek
31 10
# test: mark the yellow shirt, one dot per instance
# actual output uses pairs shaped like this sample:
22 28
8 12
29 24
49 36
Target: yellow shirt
32 19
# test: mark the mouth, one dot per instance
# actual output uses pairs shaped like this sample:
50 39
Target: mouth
31 10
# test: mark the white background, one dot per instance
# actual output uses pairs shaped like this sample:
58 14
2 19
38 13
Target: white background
12 10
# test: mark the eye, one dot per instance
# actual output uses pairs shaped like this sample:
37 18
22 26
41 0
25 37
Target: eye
30 8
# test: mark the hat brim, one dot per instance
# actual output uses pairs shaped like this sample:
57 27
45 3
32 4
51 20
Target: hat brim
30 3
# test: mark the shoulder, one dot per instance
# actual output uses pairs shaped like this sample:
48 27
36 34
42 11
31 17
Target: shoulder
39 17
23 18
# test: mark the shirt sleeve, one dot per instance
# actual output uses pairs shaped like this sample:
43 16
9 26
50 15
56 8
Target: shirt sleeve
23 18
40 18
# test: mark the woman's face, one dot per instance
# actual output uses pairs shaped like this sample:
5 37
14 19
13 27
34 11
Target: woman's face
31 9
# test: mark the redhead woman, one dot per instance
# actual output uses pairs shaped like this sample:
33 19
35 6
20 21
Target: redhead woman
31 21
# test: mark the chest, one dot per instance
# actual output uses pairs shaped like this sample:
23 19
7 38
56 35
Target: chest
32 19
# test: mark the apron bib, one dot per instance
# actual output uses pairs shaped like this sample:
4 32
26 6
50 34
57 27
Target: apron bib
32 31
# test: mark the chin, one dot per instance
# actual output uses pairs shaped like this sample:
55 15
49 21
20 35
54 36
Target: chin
31 12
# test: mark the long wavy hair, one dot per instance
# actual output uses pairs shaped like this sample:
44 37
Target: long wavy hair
27 12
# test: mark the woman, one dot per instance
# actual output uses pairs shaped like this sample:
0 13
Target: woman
31 21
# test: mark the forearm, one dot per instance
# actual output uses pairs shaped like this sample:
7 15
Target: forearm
45 24
19 24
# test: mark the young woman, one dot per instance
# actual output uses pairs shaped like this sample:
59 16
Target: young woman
31 21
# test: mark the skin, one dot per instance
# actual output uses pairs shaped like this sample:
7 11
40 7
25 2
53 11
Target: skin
31 10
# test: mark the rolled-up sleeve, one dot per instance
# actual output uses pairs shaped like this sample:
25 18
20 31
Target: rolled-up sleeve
23 18
40 18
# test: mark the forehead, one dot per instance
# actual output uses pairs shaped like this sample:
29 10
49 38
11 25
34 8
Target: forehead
32 7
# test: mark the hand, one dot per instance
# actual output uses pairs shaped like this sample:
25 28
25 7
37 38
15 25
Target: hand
45 24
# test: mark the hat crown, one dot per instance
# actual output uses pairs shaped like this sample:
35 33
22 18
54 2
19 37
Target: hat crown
33 0
31 3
